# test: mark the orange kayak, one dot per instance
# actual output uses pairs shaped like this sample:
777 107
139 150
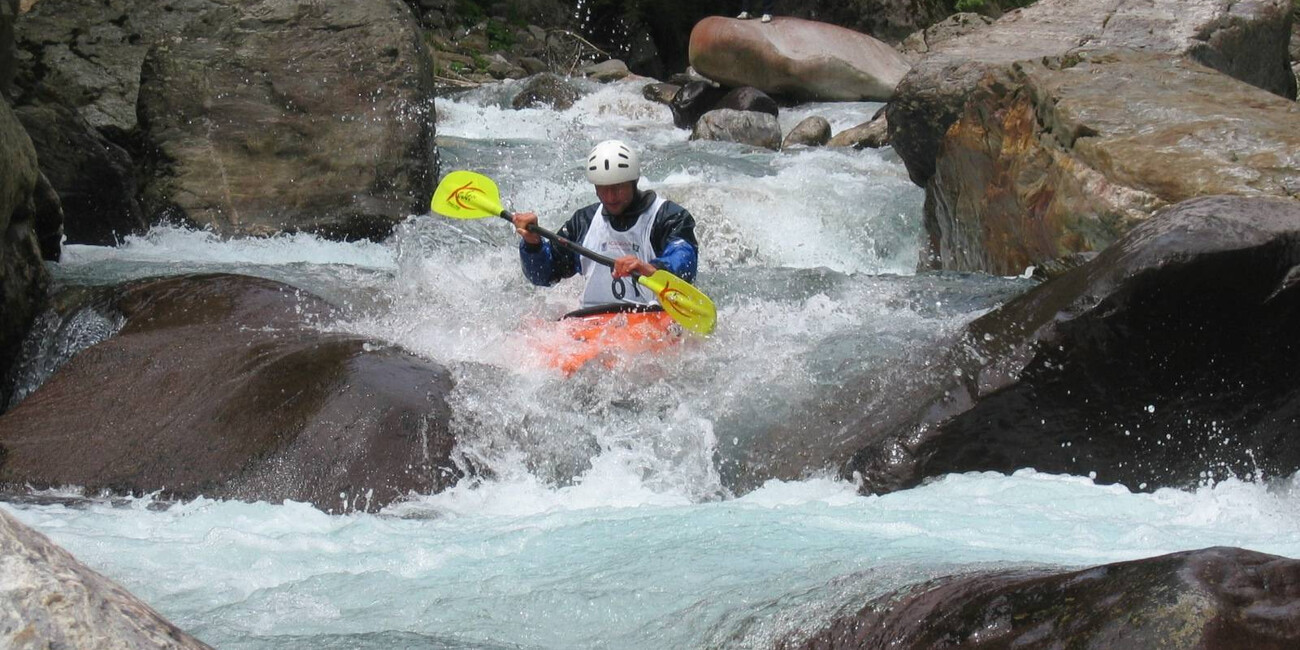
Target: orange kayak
609 336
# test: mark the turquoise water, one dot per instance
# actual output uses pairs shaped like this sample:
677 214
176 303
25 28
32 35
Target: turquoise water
609 520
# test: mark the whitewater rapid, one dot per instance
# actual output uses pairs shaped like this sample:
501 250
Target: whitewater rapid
605 518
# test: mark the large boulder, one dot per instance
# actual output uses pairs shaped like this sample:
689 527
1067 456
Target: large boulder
285 115
220 386
1059 156
1168 360
1216 598
1246 40
797 58
50 600
25 202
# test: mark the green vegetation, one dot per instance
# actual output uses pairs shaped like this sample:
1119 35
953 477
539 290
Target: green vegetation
499 35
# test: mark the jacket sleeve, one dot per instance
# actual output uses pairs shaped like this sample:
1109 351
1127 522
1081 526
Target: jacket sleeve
673 236
546 263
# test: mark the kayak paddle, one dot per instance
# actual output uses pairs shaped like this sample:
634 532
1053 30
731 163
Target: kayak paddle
468 195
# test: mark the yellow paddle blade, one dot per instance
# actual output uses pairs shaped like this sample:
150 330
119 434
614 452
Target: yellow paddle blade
466 195
684 303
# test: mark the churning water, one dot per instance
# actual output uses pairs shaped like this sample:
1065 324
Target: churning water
609 518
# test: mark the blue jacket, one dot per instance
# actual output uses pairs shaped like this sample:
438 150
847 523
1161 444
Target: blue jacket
672 235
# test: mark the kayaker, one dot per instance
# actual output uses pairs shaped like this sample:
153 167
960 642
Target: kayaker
642 231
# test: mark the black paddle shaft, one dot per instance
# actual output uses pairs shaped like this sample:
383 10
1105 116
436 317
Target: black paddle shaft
578 248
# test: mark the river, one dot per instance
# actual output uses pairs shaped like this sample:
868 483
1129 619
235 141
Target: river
607 512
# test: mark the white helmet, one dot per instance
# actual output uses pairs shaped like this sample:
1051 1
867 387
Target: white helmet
611 163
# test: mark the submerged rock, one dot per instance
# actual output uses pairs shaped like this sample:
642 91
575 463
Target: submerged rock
548 90
50 600
1216 598
873 134
813 131
1168 360
794 57
219 386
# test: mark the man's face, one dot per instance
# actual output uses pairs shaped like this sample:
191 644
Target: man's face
616 198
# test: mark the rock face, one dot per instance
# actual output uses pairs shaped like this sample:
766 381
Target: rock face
51 600
222 390
93 177
1212 598
265 120
1166 361
246 117
1246 40
746 127
25 202
797 58
1059 156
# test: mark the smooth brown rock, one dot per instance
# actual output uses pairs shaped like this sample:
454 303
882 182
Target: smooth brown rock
217 386
795 57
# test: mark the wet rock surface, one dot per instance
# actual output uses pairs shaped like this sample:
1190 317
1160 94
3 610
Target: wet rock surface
221 387
1216 598
1166 361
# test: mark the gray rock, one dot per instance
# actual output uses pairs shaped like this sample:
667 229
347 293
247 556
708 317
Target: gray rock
267 121
921 42
23 276
746 127
88 56
813 131
51 600
547 90
873 134
1246 40
662 93
606 71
